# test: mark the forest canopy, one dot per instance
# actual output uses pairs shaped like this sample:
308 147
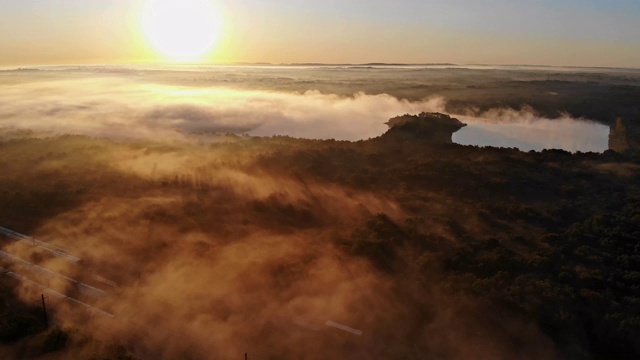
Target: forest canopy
404 246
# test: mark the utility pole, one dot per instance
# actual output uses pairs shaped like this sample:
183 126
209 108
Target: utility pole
44 310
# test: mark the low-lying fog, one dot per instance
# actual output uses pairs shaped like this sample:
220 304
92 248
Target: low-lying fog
231 248
322 103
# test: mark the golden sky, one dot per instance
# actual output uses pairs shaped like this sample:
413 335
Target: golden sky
563 32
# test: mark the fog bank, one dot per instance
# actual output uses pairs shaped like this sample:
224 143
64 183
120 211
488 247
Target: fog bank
123 108
117 104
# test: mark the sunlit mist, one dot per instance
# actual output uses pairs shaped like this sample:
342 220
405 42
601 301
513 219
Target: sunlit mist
187 211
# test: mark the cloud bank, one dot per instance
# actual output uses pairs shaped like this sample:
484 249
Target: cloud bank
171 105
121 107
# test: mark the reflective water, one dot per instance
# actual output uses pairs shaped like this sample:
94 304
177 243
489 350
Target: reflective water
535 134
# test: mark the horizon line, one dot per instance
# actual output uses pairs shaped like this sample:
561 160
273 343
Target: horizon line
303 64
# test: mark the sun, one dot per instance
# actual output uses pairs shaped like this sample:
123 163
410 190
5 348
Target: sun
182 30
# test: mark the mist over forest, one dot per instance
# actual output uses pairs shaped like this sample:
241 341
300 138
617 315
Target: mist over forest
190 212
345 103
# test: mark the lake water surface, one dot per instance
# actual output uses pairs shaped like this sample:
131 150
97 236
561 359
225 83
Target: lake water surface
535 134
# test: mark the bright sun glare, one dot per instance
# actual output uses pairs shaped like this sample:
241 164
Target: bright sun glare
182 30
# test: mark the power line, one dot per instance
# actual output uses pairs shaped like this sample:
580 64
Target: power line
54 293
57 251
